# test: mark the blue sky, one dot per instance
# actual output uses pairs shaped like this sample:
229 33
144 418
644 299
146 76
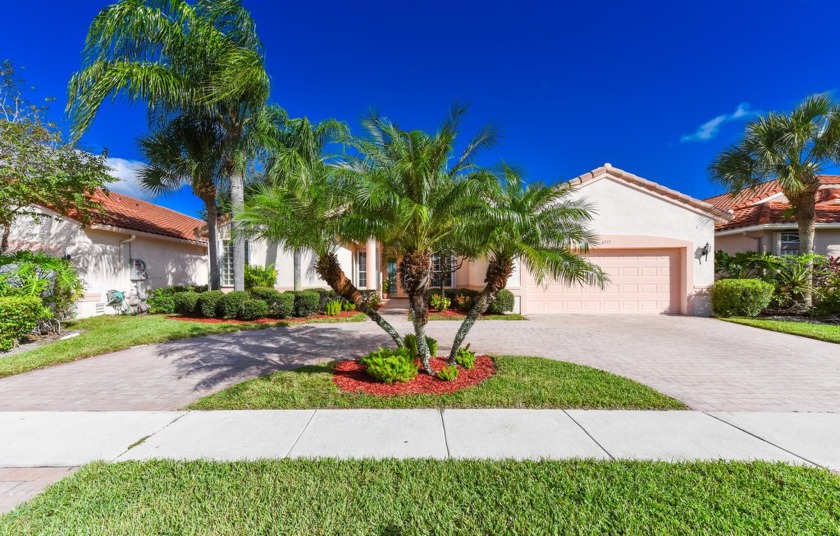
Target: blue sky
655 88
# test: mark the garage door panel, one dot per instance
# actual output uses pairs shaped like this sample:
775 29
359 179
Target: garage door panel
641 281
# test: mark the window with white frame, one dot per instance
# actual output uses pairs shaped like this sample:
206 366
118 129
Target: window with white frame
227 261
443 268
789 243
361 269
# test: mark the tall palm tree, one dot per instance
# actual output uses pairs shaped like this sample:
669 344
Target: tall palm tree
307 210
415 194
791 148
187 150
541 227
202 58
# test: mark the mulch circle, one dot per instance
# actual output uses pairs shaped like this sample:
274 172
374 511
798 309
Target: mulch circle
351 376
343 314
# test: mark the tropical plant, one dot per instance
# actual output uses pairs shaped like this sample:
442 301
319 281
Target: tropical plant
410 342
465 358
794 149
52 279
440 302
259 276
744 265
332 308
390 365
203 59
416 194
448 373
541 226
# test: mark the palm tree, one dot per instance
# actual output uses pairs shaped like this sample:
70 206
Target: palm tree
792 149
307 210
187 150
542 228
415 194
203 59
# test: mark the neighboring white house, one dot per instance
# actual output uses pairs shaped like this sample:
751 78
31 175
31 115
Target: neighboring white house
105 252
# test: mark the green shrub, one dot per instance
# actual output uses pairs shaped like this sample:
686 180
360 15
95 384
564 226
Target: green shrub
208 303
332 308
18 316
829 303
161 301
231 303
390 365
252 309
348 305
464 302
740 297
306 303
503 303
257 276
410 342
465 357
440 302
279 305
325 295
448 374
51 279
185 303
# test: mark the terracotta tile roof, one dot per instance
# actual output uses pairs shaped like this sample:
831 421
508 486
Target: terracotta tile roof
749 196
132 214
765 213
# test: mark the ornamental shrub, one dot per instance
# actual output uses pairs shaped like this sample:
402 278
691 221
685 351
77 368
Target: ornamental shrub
161 301
252 309
257 276
348 305
185 303
390 365
448 374
741 297
52 279
306 302
503 303
279 305
208 303
332 308
18 316
325 295
465 357
440 302
464 302
230 304
829 303
410 342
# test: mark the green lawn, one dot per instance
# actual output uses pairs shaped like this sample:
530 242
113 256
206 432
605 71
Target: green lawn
434 497
520 382
823 332
108 333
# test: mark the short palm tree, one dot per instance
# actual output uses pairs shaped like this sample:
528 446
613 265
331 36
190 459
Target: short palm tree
307 211
187 150
416 195
202 58
791 148
541 227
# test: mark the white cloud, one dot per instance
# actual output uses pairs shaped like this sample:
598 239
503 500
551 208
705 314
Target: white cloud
128 184
710 129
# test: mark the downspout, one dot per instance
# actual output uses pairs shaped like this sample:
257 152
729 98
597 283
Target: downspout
122 263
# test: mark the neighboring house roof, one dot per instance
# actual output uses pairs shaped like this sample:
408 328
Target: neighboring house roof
607 170
132 214
766 205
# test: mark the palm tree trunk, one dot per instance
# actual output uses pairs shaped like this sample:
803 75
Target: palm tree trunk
296 262
498 273
237 198
806 218
4 240
416 270
329 270
215 282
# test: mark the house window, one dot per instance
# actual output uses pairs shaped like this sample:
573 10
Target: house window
789 244
227 261
361 269
443 267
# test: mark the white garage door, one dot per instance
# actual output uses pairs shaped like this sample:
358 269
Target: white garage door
641 281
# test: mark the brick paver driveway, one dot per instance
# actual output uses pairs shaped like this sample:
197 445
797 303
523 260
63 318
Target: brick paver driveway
709 364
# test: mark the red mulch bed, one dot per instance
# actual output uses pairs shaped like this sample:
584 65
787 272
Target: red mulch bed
351 376
448 313
343 314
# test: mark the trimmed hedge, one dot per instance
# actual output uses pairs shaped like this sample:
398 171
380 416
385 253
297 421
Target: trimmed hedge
208 303
231 303
18 316
252 309
279 305
741 297
503 303
185 303
307 302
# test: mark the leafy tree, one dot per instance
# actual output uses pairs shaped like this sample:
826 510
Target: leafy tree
541 227
416 195
201 58
38 166
791 148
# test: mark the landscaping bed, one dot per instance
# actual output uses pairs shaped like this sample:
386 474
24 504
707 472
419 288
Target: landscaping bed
351 376
451 314
434 497
519 382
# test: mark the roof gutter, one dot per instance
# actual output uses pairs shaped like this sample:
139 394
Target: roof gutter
772 227
120 230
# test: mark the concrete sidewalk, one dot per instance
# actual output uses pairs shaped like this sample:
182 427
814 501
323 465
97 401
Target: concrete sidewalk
71 439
